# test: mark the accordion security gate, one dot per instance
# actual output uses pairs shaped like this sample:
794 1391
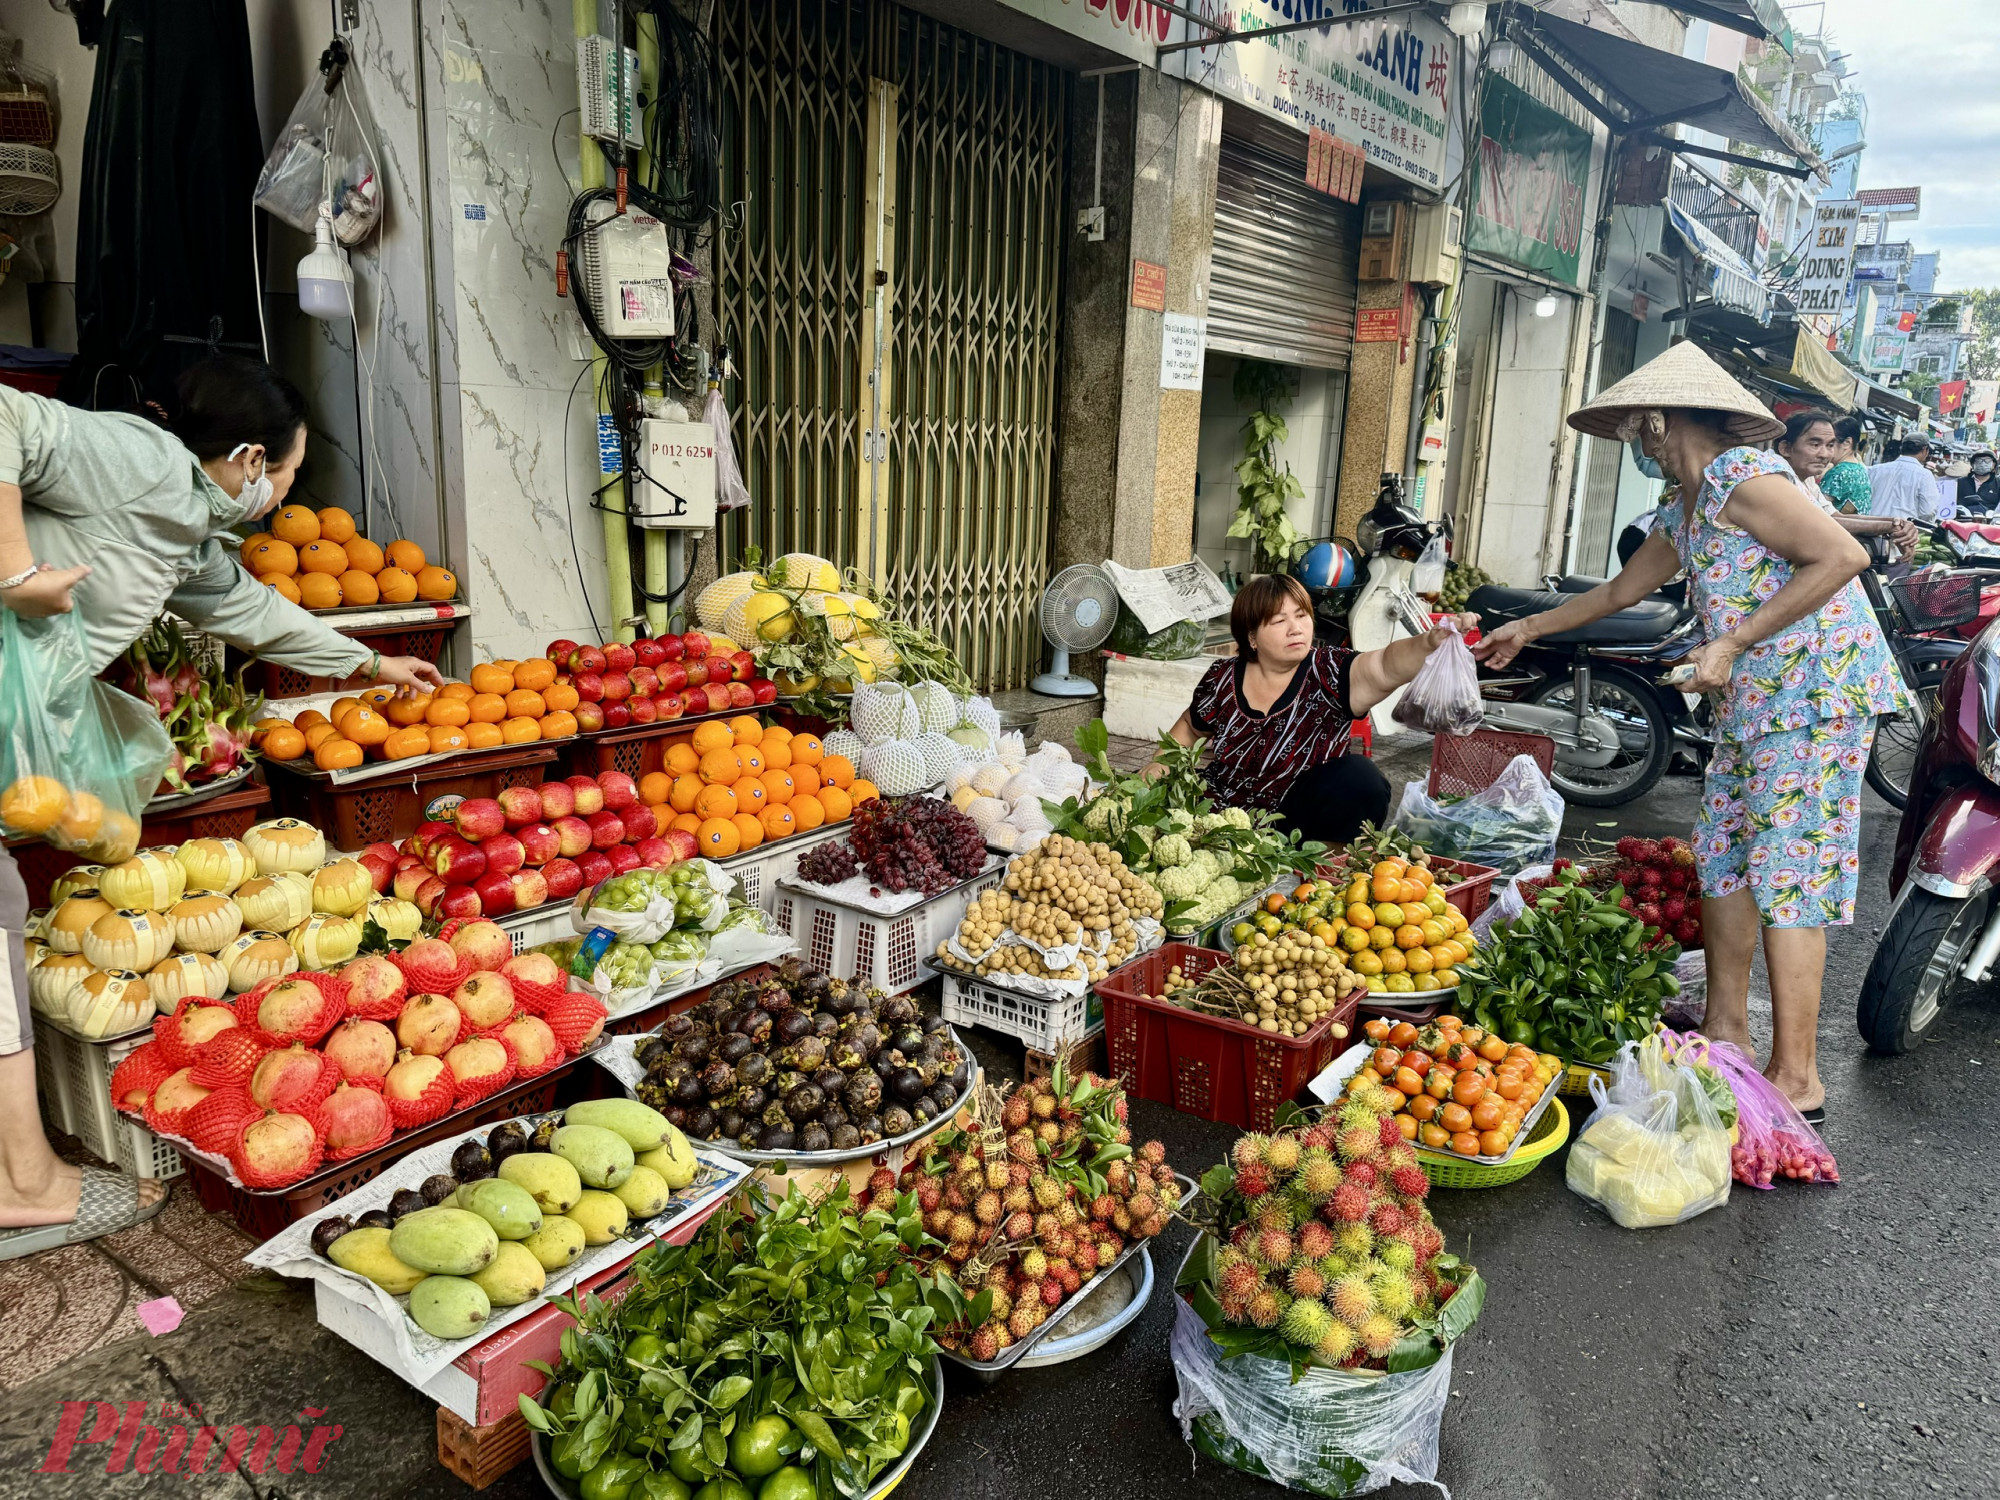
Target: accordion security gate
889 279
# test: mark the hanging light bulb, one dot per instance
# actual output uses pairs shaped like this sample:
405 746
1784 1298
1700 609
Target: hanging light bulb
1545 305
1468 18
326 281
1502 55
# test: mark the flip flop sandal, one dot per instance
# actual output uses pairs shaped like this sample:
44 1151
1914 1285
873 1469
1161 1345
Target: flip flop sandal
1815 1117
106 1203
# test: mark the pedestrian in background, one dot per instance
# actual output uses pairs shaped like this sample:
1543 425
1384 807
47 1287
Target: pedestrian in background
1979 490
1905 485
1846 483
1809 445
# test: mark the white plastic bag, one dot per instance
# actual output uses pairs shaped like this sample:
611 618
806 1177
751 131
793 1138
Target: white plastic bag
1513 823
1427 576
1654 1152
1444 698
326 155
730 491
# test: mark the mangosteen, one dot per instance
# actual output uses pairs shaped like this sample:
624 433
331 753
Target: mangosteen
845 1137
849 1058
506 1140
792 1025
375 1218
896 1120
545 1131
927 1070
826 1026
775 1138
935 1025
717 1078
700 1122
690 1091
834 1114
907 1084
695 1047
908 1040
653 1094
728 1122
807 1054
674 1069
885 1063
774 1113
752 1101
863 1094
326 1231
837 995
960 1076
866 1039
899 1010
728 1020
830 1080
471 1161
870 1127
405 1201
756 1024
675 1115
804 1102
676 1027
942 1099
733 1048
791 969
815 1138
438 1187
923 1111
754 1069
776 999
650 1050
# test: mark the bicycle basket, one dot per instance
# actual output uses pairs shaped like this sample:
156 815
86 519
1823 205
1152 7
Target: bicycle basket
1938 601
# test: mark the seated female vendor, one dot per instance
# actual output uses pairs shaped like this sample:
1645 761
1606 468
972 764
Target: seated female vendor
1277 718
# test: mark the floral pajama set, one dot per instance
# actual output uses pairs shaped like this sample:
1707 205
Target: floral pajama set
1781 806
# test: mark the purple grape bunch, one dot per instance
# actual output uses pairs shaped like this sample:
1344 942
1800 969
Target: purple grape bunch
829 863
917 843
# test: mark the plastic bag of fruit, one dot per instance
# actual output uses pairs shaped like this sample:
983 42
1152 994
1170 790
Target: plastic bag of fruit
1444 698
1655 1150
79 760
1511 824
1773 1138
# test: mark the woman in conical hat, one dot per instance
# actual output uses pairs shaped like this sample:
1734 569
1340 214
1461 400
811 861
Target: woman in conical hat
1800 673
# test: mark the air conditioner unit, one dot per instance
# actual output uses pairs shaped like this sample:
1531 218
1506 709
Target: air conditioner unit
626 265
676 485
1436 242
597 92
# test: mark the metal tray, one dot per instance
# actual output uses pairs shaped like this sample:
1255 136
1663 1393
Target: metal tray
1061 1351
1018 1351
879 1490
1350 1062
175 801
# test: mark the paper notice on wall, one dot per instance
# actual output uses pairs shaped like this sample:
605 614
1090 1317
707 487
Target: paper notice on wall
1166 596
1182 339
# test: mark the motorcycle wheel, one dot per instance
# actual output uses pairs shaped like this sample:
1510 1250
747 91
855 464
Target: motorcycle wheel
1916 967
1630 704
1892 759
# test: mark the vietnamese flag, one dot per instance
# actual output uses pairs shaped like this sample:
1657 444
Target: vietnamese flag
1951 396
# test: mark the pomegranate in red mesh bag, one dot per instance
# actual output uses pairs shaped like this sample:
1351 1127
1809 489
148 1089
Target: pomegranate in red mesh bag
376 988
483 946
354 1120
294 1007
293 1078
364 1051
538 981
214 1124
229 1057
431 967
576 1019
418 1089
133 1080
173 1097
183 1032
483 1065
431 1025
536 1049
277 1149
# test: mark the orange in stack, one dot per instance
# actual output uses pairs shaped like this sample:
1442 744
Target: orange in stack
506 703
315 558
736 783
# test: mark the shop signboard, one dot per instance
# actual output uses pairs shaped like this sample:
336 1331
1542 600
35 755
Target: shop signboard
1829 257
1130 28
1886 351
1530 179
1385 83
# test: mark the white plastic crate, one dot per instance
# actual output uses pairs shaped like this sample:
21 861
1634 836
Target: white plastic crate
545 924
885 952
1045 1025
86 1069
50 1086
759 870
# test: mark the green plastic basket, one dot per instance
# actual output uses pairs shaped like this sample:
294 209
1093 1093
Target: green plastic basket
1576 1079
1448 1171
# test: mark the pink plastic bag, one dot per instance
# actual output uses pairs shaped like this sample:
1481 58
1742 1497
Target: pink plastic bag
1444 698
1775 1140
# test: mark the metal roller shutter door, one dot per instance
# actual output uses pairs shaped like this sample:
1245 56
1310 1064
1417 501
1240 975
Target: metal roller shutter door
1281 285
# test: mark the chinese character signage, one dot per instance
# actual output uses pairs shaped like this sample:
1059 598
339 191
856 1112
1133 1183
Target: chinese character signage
1829 257
1529 177
1386 84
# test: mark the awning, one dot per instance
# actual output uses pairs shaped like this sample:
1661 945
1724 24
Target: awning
1734 284
1760 18
1880 398
1647 88
1815 364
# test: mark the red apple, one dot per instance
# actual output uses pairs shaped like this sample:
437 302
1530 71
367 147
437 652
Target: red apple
522 806
504 854
617 687
696 669
648 652
478 819
616 716
620 791
645 682
558 800
594 867
560 649
640 821
763 691
461 901
459 862
642 710
721 669
694 643
424 895
410 862
673 677
741 695
654 853
539 843
618 657
670 705
673 646
718 697
382 846
607 830
589 717
589 795
585 659
589 686
623 857
427 833
531 889
565 879
683 842
495 894
745 665
381 868
572 836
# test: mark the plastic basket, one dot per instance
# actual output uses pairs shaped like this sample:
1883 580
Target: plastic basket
85 1069
759 870
1045 1025
1548 1136
637 749
874 951
425 642
1938 601
1206 1066
1468 763
1576 1078
50 1087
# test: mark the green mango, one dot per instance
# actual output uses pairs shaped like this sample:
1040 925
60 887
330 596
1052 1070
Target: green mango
601 1159
449 1307
642 1126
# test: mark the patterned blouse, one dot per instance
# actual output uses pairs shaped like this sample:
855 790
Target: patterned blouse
1846 483
1256 756
1830 665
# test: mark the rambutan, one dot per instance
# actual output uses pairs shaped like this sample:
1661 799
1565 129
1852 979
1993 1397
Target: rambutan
1349 1203
1153 1152
1305 1281
1014 1113
1319 1174
1102 1207
1356 1242
1067 1215
1393 1293
1361 1142
1410 1181
1282 1153
1085 1256
1018 1200
1239 1237
1249 1150
1048 1192
986 1209
1275 1248
1339 1342
1052 1291
1034 1265
930 1192
1352 1300
963 1228
996 1174
954 1195
984 1346
1305 1323
1018 1174
1236 1309
1021 1322
1385 1218
1273 1213
1319 1137
1253 1181
1379 1335
1400 1255
1046 1226
1019 1226
1021 1146
1315 1240
1069 1278
1268 1307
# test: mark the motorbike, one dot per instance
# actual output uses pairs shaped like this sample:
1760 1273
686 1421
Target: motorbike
1388 541
1944 926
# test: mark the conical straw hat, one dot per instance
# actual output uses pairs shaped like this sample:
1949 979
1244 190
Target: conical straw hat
1682 377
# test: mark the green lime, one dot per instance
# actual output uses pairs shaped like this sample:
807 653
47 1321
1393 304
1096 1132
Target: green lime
560 1403
789 1483
753 1447
658 1486
723 1487
645 1349
681 1461
613 1478
563 1455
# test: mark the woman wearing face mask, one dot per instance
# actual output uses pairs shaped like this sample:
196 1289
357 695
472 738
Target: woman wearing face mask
1979 491
1810 445
108 514
1800 673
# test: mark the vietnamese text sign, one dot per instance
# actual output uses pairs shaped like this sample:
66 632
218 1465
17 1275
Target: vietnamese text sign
1531 172
1378 325
1149 286
1385 83
1131 28
1886 351
1181 340
1829 257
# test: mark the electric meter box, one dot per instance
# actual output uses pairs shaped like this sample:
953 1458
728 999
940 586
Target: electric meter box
627 263
1436 242
675 487
1385 239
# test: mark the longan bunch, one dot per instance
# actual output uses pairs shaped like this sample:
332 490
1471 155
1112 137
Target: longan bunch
1063 894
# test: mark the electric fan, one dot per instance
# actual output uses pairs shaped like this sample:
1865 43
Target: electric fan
1079 607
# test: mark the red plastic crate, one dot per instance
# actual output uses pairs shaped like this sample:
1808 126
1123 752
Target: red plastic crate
1468 763
1205 1066
425 642
1466 886
391 807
